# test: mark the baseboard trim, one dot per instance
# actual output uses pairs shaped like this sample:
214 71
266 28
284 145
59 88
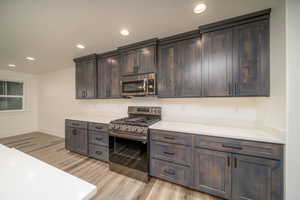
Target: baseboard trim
50 132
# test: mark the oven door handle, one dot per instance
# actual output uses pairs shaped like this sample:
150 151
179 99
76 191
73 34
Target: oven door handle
130 137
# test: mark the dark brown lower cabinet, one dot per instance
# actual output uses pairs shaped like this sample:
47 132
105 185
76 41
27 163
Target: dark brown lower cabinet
256 178
98 152
175 173
77 140
212 172
87 138
228 168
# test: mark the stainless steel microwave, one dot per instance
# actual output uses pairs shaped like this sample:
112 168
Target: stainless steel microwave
138 85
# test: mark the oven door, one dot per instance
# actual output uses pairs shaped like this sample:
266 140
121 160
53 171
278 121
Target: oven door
134 87
129 153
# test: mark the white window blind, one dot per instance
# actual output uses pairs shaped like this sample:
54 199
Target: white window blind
11 95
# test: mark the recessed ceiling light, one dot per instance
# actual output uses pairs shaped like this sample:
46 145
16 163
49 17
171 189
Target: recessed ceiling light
12 65
30 58
124 32
80 46
200 8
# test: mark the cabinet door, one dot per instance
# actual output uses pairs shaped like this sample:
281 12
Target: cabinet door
80 81
251 59
146 59
79 142
72 139
108 77
67 138
82 141
256 179
86 79
90 76
212 172
167 70
129 63
188 70
217 63
104 75
115 77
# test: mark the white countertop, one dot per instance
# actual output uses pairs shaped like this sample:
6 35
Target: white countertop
23 177
201 129
96 119
220 131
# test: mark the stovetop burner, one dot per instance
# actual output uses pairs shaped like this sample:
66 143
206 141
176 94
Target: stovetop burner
136 121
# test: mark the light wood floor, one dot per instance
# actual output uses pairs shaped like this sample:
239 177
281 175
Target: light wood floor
111 186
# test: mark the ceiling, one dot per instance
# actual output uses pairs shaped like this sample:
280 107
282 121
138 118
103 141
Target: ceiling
49 30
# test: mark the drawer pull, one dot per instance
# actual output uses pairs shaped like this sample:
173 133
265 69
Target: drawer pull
169 153
169 138
99 139
231 146
98 127
98 152
170 172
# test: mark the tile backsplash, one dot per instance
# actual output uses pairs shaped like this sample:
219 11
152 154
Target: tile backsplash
57 101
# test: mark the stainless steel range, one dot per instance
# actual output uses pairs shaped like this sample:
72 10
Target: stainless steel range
129 146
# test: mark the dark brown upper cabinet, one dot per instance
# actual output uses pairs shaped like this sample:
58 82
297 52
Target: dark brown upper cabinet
229 58
236 56
86 77
108 75
217 63
139 57
251 59
179 67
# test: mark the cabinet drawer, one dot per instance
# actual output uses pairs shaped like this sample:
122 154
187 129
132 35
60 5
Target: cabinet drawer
98 138
98 152
98 127
179 154
171 137
260 149
76 124
171 172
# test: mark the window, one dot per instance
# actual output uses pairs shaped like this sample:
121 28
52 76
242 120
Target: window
11 95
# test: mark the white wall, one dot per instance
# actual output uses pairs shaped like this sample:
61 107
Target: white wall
293 65
19 122
272 110
57 101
